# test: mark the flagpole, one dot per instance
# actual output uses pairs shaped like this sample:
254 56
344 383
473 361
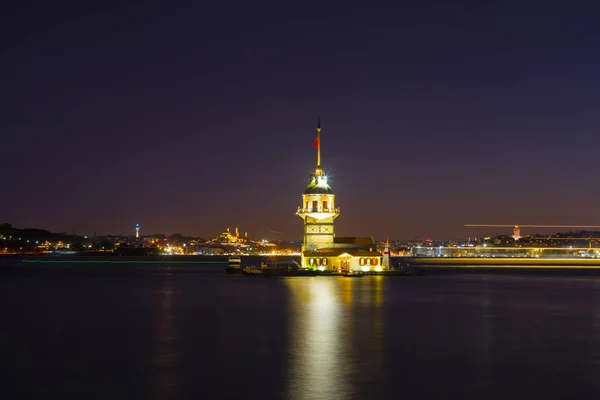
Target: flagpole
319 142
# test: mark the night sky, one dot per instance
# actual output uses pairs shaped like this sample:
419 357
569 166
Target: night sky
191 117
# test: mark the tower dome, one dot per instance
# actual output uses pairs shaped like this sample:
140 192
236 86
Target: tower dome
318 184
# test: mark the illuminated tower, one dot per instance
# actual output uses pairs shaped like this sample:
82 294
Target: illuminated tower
137 230
516 232
318 208
386 255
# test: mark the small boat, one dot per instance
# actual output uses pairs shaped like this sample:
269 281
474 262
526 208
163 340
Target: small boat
286 268
353 274
250 271
235 260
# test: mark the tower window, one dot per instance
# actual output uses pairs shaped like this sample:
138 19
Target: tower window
315 205
325 205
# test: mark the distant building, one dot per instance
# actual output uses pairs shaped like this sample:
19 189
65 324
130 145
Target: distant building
516 232
320 248
226 237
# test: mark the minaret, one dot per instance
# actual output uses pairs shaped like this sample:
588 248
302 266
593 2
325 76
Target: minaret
318 208
137 231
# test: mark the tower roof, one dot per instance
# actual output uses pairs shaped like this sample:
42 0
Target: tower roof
318 184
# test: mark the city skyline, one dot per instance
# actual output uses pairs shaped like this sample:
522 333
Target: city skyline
192 119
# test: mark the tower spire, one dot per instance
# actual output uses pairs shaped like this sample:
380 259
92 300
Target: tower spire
319 142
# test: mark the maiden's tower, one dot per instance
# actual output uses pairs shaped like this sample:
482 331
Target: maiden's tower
321 248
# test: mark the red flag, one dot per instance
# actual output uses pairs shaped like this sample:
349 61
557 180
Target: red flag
316 142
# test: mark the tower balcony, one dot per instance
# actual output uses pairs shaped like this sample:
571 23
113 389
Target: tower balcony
318 210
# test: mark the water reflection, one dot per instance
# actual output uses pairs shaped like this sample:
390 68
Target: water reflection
336 337
165 381
595 345
370 332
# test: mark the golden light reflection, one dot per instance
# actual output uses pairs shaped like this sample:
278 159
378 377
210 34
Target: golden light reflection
320 364
336 336
377 290
346 288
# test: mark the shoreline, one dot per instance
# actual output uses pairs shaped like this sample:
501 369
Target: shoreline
503 262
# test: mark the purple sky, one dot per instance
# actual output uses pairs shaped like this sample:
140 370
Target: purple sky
187 117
